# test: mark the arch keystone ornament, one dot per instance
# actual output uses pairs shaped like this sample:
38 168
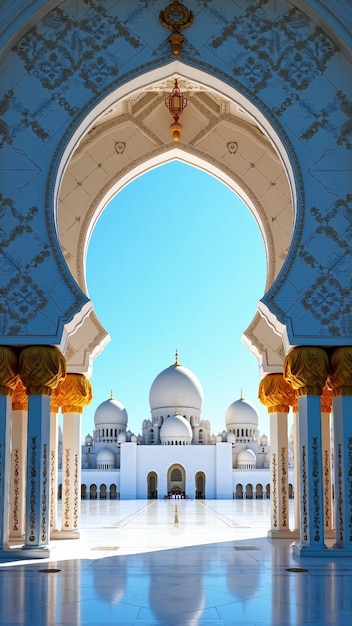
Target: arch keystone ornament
176 17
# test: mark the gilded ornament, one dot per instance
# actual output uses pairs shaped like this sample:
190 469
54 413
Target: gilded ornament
326 400
340 371
276 394
176 17
306 370
19 397
8 370
42 368
75 393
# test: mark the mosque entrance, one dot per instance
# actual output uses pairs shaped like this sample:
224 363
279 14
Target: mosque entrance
200 486
152 486
176 481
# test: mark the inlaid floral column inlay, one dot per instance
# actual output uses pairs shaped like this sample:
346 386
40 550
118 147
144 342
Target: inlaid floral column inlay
42 368
18 461
75 392
340 382
306 370
326 407
277 395
8 382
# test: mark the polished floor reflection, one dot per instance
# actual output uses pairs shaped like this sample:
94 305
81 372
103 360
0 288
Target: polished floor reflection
176 563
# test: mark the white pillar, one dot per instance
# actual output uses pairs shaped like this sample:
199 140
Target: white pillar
311 477
71 475
340 381
18 473
5 455
306 369
342 409
296 471
326 460
42 368
279 475
37 484
54 465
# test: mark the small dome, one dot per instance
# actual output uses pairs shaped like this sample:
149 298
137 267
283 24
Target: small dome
231 438
133 439
105 459
88 441
121 438
175 428
264 440
246 459
176 386
241 412
111 412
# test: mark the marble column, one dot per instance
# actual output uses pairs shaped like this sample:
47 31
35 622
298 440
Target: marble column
340 381
42 368
8 381
326 406
306 369
296 472
18 462
54 463
76 393
276 395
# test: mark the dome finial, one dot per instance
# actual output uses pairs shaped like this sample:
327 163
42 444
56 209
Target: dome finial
241 396
176 364
111 396
176 409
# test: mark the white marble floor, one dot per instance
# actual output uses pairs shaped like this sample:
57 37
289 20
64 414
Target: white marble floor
175 563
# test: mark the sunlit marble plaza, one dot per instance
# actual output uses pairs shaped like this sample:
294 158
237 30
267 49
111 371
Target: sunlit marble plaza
173 563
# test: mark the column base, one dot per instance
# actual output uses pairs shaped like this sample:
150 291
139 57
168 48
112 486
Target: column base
329 534
337 549
65 534
17 553
283 534
302 551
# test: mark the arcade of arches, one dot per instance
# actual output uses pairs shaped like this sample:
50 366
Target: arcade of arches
83 112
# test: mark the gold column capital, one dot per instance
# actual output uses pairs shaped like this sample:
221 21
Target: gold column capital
326 400
74 393
42 368
19 397
8 370
276 394
306 370
340 371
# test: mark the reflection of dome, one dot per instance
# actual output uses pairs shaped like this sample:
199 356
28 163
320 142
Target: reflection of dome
174 430
176 386
105 459
110 412
241 412
246 459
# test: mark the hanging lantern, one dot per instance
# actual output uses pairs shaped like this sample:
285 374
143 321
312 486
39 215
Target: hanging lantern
176 103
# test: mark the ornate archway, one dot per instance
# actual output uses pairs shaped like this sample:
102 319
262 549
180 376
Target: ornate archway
276 75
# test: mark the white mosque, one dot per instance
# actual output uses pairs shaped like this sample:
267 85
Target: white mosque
176 455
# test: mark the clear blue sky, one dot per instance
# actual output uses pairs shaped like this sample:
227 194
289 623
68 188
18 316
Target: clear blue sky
176 260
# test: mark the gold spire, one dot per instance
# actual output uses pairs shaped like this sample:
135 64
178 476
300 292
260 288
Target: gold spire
176 409
111 396
241 396
176 364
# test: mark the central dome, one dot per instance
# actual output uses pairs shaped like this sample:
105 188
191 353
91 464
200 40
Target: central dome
178 387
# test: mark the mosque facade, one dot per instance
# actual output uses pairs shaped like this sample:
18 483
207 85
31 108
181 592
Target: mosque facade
176 454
